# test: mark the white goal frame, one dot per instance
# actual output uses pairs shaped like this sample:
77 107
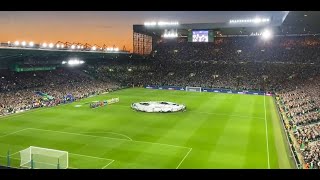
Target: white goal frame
24 161
194 89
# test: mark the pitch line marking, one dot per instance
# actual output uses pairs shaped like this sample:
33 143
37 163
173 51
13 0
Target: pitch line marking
15 132
227 115
184 158
127 137
93 157
108 138
265 121
107 164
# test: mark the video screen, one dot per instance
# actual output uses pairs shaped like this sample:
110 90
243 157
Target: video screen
200 36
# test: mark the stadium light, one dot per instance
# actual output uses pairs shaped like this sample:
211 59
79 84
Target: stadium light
255 20
150 23
94 48
44 45
73 62
31 44
9 42
58 45
64 62
23 43
161 23
78 47
116 49
81 47
73 46
266 34
62 45
51 45
16 43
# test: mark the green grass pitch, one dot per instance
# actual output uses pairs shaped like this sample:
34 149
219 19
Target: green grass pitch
216 131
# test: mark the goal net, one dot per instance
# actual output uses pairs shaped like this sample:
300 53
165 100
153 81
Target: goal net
193 89
43 158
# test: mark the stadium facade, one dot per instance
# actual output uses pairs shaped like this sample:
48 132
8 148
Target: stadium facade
147 36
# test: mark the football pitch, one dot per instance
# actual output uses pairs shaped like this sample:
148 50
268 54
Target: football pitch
216 131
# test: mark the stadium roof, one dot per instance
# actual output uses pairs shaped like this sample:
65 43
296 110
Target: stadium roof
11 55
294 22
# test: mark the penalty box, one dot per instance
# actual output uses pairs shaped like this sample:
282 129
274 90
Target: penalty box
88 151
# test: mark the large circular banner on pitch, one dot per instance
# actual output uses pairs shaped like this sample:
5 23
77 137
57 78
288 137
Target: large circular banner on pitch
157 106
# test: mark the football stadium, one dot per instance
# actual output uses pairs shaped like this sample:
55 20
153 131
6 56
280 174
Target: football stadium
239 94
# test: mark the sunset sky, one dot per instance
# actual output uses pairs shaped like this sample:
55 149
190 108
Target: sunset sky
96 27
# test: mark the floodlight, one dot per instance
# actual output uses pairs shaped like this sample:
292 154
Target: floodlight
93 48
23 43
81 47
116 49
78 47
64 62
257 20
62 45
73 46
51 45
31 44
266 34
8 42
58 45
44 45
16 43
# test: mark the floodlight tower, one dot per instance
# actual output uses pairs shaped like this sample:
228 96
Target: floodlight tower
87 46
104 47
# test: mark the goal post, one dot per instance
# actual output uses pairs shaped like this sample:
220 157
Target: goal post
193 89
43 158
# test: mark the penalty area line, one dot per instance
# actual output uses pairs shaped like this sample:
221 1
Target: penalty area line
107 164
184 158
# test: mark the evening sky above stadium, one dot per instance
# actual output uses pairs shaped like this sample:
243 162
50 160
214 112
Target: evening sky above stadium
100 27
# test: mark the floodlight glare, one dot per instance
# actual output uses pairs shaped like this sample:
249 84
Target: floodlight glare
58 45
31 44
8 42
93 48
23 43
78 47
257 20
81 47
44 45
266 34
73 47
51 45
64 62
62 45
16 43
116 49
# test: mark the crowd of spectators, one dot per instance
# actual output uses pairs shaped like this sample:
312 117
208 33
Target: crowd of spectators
303 110
18 90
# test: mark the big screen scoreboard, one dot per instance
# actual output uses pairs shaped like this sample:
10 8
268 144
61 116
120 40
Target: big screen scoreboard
200 36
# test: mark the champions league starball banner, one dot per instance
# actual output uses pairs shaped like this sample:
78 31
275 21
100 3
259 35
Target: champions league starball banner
214 90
